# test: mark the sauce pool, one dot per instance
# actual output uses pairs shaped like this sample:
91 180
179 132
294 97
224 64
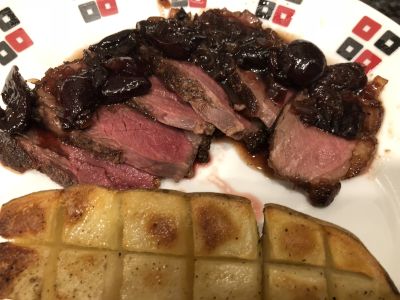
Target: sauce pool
258 162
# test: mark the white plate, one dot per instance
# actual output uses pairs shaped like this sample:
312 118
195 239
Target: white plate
368 205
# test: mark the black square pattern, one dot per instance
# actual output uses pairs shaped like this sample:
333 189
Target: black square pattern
6 53
296 1
265 9
179 3
89 11
7 19
349 48
388 43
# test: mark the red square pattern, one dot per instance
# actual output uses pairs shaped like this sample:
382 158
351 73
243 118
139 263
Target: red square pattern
107 7
283 15
368 60
366 28
19 40
198 3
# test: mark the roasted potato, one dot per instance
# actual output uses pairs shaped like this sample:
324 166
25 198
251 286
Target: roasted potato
87 242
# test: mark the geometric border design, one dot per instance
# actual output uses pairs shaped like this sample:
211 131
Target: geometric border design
388 43
349 48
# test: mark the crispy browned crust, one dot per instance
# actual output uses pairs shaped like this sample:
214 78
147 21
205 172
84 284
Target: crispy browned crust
161 221
29 219
216 226
220 222
363 155
372 106
63 177
225 197
13 261
79 139
75 202
163 229
172 77
13 155
244 93
27 215
365 150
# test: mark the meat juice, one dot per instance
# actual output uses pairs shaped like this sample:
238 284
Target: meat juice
257 161
226 188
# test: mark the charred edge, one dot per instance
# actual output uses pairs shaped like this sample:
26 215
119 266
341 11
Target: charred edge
15 259
13 155
59 175
362 157
15 221
243 93
79 140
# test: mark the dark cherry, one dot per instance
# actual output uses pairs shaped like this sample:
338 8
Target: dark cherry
99 75
301 63
345 76
122 43
119 88
19 100
332 103
205 58
252 58
333 111
323 194
203 154
127 66
172 48
352 120
78 99
175 38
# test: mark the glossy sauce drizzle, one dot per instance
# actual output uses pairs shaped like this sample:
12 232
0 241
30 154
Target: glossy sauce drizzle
257 161
228 189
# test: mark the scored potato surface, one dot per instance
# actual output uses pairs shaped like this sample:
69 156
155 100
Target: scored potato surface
91 218
24 267
80 274
30 217
155 277
223 227
156 222
293 238
299 282
87 242
227 280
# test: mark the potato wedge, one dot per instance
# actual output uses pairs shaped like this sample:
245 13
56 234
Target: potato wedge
86 242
